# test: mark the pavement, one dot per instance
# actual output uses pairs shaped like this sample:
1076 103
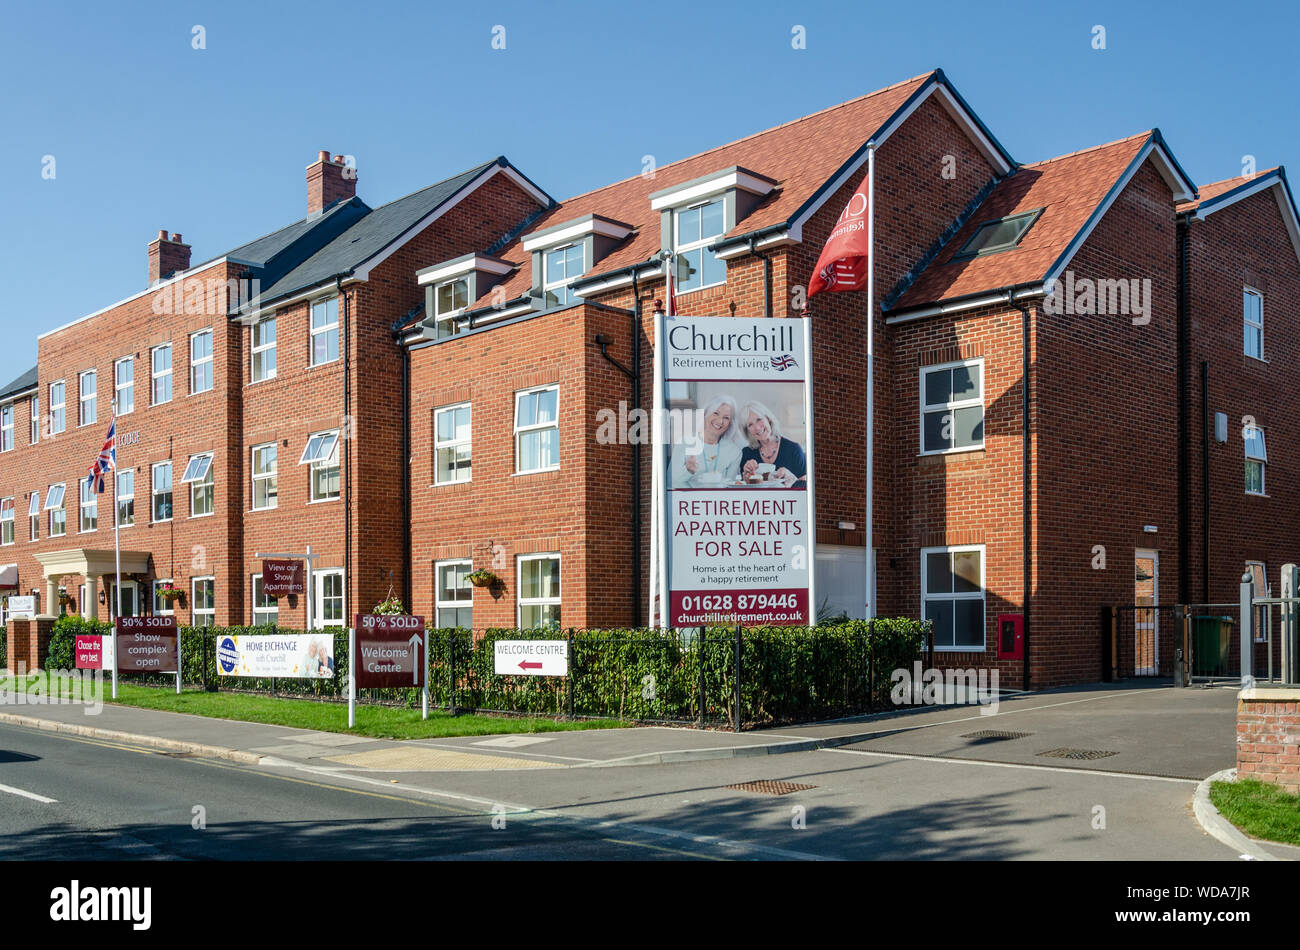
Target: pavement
948 782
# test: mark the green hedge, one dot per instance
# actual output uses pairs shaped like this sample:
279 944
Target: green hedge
4 642
786 673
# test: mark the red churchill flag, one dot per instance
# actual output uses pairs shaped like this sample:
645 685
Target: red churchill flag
843 262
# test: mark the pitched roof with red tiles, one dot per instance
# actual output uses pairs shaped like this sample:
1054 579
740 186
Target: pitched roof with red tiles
801 156
1069 189
1218 189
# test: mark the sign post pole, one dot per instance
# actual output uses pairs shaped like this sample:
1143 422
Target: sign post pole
424 690
178 662
351 677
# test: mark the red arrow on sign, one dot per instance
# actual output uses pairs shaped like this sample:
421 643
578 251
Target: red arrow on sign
525 665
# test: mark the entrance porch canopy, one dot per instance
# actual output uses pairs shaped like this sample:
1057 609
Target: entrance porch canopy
90 563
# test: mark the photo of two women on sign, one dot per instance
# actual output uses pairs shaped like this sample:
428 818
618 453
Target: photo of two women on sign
731 434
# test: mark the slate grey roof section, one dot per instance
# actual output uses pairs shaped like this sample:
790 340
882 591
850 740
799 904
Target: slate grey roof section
369 235
23 383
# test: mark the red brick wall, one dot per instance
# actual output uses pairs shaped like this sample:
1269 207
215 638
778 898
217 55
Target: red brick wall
1245 244
180 548
1268 737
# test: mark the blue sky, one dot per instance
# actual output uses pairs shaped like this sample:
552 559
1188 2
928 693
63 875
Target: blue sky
148 132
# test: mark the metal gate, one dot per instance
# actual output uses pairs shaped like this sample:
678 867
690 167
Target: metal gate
1139 640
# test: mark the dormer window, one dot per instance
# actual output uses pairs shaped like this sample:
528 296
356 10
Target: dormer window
696 214
449 299
563 253
451 287
695 228
560 267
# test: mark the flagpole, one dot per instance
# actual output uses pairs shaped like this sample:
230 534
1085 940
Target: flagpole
117 553
869 593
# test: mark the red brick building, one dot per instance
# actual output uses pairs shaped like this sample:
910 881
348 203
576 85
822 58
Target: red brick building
259 410
1057 313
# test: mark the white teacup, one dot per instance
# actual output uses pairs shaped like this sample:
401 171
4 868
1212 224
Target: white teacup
766 469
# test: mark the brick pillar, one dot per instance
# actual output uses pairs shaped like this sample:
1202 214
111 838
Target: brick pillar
40 643
18 634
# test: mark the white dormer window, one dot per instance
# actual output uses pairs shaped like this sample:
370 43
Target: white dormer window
449 299
694 229
561 266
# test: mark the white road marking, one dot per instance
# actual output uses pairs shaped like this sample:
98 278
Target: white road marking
32 795
1013 765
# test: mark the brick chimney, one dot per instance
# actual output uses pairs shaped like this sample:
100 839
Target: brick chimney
167 255
329 180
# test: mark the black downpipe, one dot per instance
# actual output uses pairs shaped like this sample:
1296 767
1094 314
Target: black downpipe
767 279
406 477
634 375
1205 481
1184 412
1026 529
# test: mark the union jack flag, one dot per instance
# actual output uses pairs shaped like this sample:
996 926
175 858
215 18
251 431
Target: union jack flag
783 363
107 460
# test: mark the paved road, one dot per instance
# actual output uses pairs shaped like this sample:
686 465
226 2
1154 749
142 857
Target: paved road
928 793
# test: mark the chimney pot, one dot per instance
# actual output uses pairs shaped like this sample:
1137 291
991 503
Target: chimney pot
328 184
167 255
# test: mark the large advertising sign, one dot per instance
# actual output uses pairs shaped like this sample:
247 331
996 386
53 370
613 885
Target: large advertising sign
282 656
390 651
147 644
738 500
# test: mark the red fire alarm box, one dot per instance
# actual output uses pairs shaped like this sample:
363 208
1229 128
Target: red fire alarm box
1011 636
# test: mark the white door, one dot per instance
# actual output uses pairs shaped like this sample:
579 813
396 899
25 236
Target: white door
130 600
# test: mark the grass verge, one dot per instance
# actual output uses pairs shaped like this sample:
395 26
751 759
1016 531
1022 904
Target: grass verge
1260 809
379 722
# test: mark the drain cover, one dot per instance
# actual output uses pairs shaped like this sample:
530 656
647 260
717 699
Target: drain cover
1076 753
766 787
995 735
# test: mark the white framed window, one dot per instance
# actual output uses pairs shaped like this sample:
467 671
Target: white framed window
203 601
539 590
162 607
325 331
198 475
455 594
537 429
35 420
125 497
952 596
452 445
952 407
561 266
449 299
58 513
88 396
160 370
89 507
200 361
265 483
322 454
694 228
160 486
6 521
1256 459
7 428
124 385
1252 317
58 407
265 609
262 335
34 517
328 591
